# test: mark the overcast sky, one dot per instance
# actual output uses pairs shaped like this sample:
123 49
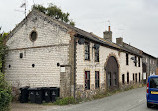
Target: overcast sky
134 20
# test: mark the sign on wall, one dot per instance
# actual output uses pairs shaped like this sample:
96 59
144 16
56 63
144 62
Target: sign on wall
62 69
144 75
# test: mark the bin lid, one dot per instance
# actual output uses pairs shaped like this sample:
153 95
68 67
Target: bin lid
54 88
32 89
26 87
39 88
45 88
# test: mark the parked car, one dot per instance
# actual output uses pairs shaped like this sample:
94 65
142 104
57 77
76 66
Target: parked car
152 91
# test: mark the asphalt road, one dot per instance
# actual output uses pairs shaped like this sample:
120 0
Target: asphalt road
133 100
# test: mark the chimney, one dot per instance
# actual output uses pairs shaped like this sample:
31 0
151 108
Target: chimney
109 28
108 34
119 41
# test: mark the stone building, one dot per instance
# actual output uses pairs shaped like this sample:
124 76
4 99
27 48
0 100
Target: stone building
157 67
148 61
149 65
43 52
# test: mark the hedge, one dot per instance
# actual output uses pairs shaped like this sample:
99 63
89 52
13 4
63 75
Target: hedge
5 94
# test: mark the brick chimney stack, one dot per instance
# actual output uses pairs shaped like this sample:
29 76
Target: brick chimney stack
108 34
109 28
119 41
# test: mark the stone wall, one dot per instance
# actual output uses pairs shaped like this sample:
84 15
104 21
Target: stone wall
65 81
38 67
92 66
150 64
49 61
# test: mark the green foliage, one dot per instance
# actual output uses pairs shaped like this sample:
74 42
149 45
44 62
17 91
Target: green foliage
55 12
65 101
40 8
112 92
71 100
72 23
5 89
5 94
2 49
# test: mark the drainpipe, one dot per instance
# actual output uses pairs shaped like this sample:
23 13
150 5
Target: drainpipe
74 67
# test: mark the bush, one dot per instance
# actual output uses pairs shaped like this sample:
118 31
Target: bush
5 94
65 101
5 89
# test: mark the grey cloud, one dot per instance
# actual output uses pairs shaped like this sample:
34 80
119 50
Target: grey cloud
135 20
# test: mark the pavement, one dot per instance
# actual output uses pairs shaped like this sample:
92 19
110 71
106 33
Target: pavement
132 100
30 107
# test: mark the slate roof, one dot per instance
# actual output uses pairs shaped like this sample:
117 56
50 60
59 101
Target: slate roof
81 32
144 53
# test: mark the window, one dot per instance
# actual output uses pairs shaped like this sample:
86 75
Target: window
136 77
135 61
138 61
109 79
96 79
87 51
146 60
21 55
96 54
127 59
153 83
127 77
33 65
133 77
33 36
139 77
9 66
123 79
87 80
115 79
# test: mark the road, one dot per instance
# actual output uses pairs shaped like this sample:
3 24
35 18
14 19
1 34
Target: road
132 100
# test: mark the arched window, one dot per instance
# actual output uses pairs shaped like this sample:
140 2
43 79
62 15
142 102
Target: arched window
33 36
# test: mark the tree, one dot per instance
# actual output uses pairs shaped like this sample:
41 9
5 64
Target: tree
55 12
5 89
2 49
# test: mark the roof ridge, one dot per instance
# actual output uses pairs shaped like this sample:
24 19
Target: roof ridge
68 26
105 40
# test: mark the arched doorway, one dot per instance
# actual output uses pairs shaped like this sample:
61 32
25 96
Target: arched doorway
112 73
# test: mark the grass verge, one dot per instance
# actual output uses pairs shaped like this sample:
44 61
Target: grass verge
71 100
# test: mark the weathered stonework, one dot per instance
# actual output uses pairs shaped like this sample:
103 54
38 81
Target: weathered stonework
150 63
51 47
56 59
93 66
65 84
71 60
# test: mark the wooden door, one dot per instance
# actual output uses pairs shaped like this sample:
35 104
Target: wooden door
112 73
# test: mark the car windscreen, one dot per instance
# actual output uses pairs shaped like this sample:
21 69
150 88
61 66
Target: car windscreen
154 83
